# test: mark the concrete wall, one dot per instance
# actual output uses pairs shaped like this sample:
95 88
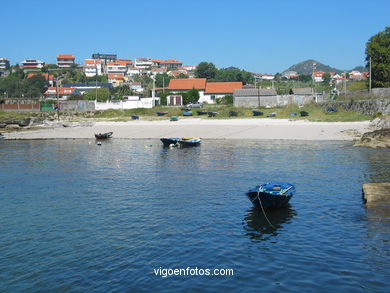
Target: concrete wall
121 105
273 101
381 92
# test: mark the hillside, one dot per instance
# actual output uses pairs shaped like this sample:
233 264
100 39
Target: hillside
306 67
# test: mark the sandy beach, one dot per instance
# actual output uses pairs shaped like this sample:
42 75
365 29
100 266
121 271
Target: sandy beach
206 129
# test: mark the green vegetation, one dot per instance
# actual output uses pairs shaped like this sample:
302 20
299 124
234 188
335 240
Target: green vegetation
316 113
16 85
378 50
209 71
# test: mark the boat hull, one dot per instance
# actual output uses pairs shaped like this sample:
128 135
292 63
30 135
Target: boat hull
268 201
103 135
189 142
271 195
170 141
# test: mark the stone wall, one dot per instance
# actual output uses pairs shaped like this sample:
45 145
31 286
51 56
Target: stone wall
81 105
366 107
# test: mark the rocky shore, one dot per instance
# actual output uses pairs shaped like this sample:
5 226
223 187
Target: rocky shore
379 138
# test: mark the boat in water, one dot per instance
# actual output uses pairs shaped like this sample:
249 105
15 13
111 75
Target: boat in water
106 135
271 195
190 141
170 141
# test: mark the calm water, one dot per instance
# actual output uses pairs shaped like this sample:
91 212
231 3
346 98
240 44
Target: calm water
79 217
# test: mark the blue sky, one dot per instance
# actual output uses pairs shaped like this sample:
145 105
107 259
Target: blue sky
259 36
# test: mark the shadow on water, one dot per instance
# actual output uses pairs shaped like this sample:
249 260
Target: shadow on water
257 226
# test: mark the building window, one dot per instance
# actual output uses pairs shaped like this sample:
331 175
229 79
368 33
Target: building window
213 97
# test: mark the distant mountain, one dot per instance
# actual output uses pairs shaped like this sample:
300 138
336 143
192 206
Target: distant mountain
306 67
360 68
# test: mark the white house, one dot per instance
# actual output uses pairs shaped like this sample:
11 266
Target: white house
32 64
218 90
179 85
92 67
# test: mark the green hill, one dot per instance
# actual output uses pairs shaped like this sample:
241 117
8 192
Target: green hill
306 67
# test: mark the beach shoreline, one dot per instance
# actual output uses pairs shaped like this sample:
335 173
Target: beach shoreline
205 128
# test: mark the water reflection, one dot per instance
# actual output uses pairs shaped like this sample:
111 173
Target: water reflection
257 226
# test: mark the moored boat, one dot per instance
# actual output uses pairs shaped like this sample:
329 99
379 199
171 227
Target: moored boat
271 195
103 135
187 113
203 112
173 118
161 113
190 141
170 141
257 113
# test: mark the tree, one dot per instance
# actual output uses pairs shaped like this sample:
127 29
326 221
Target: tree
192 96
304 78
234 74
378 49
326 78
103 94
162 79
206 70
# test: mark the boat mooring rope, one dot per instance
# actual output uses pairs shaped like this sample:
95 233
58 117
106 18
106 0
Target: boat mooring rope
262 209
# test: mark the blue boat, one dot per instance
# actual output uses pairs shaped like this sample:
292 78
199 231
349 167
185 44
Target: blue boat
170 141
187 113
190 141
271 195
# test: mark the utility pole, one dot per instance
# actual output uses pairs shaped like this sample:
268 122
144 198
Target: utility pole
58 100
345 84
314 69
370 79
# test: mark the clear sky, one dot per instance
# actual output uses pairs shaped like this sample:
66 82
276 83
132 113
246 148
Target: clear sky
255 35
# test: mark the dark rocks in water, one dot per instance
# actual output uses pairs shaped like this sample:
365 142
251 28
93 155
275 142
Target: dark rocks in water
376 193
375 139
3 125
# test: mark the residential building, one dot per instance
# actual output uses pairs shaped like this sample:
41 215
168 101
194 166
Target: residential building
171 64
131 71
157 63
63 92
116 79
218 90
47 76
357 75
290 74
92 67
31 64
116 67
105 57
65 60
4 64
176 73
188 67
155 71
144 63
129 62
177 86
136 86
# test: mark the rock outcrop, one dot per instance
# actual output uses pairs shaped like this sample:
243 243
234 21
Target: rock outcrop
375 139
379 138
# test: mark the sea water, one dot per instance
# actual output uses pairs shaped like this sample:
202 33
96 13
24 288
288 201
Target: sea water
122 216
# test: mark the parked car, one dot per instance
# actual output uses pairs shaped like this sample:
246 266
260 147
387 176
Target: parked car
195 105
